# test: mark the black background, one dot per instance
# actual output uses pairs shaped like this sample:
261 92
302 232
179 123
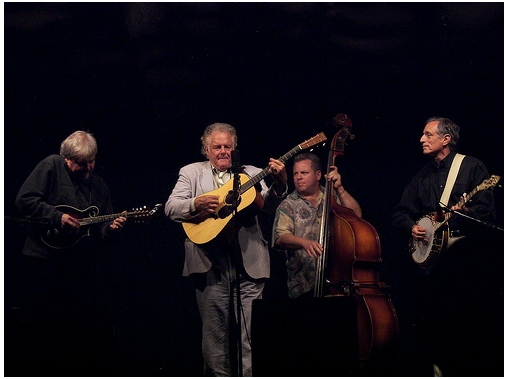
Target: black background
146 78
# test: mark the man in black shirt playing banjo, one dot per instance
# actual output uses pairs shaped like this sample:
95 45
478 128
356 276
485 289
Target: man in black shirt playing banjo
442 212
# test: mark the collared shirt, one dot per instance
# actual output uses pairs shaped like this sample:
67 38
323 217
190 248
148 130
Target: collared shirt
220 177
297 216
422 195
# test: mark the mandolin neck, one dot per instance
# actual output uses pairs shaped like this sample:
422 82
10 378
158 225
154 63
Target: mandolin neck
100 219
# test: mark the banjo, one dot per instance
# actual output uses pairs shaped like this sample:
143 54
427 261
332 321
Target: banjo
425 252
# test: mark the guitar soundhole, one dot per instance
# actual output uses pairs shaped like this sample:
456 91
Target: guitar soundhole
229 198
227 209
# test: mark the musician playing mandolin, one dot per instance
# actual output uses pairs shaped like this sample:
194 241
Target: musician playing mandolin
298 218
68 323
449 287
213 265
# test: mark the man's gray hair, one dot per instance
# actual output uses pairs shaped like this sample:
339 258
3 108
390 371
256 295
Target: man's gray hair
221 127
80 145
446 126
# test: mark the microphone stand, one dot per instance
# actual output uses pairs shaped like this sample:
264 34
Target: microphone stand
485 223
236 169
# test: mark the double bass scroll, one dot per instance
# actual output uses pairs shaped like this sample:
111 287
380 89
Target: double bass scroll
350 263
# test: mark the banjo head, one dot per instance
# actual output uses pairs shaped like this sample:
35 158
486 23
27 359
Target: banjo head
421 249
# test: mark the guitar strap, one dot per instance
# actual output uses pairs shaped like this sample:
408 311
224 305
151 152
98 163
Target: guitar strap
451 178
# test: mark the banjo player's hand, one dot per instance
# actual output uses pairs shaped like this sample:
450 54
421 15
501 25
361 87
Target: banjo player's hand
462 208
419 233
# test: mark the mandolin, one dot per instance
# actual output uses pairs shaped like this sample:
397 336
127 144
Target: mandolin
58 238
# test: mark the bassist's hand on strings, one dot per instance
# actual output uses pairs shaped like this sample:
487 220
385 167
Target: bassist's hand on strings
313 248
289 241
335 177
346 199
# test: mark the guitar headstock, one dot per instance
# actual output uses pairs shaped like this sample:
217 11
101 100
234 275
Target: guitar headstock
489 183
317 139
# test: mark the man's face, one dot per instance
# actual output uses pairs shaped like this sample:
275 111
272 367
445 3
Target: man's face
219 150
82 167
432 143
306 180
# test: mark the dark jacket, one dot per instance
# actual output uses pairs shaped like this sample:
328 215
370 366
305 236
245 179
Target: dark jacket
50 184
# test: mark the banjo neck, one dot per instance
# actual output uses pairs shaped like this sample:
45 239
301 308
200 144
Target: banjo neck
465 198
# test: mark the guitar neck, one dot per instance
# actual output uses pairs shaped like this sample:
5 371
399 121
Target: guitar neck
258 177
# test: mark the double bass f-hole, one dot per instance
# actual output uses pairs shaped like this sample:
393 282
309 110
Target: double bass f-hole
349 265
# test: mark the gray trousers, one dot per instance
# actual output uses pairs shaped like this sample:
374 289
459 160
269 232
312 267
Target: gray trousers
214 294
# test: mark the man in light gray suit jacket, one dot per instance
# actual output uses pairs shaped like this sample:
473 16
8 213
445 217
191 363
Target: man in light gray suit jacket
214 265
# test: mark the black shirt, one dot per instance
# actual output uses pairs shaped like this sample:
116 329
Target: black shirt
422 195
51 183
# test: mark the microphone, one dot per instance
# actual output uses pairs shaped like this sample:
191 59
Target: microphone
443 207
235 170
235 161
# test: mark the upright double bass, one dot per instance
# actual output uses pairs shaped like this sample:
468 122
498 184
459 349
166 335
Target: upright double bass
350 263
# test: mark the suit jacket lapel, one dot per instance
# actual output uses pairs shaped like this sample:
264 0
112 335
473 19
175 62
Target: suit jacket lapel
206 178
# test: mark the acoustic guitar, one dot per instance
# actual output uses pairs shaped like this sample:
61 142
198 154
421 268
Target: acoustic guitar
425 252
57 238
203 231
